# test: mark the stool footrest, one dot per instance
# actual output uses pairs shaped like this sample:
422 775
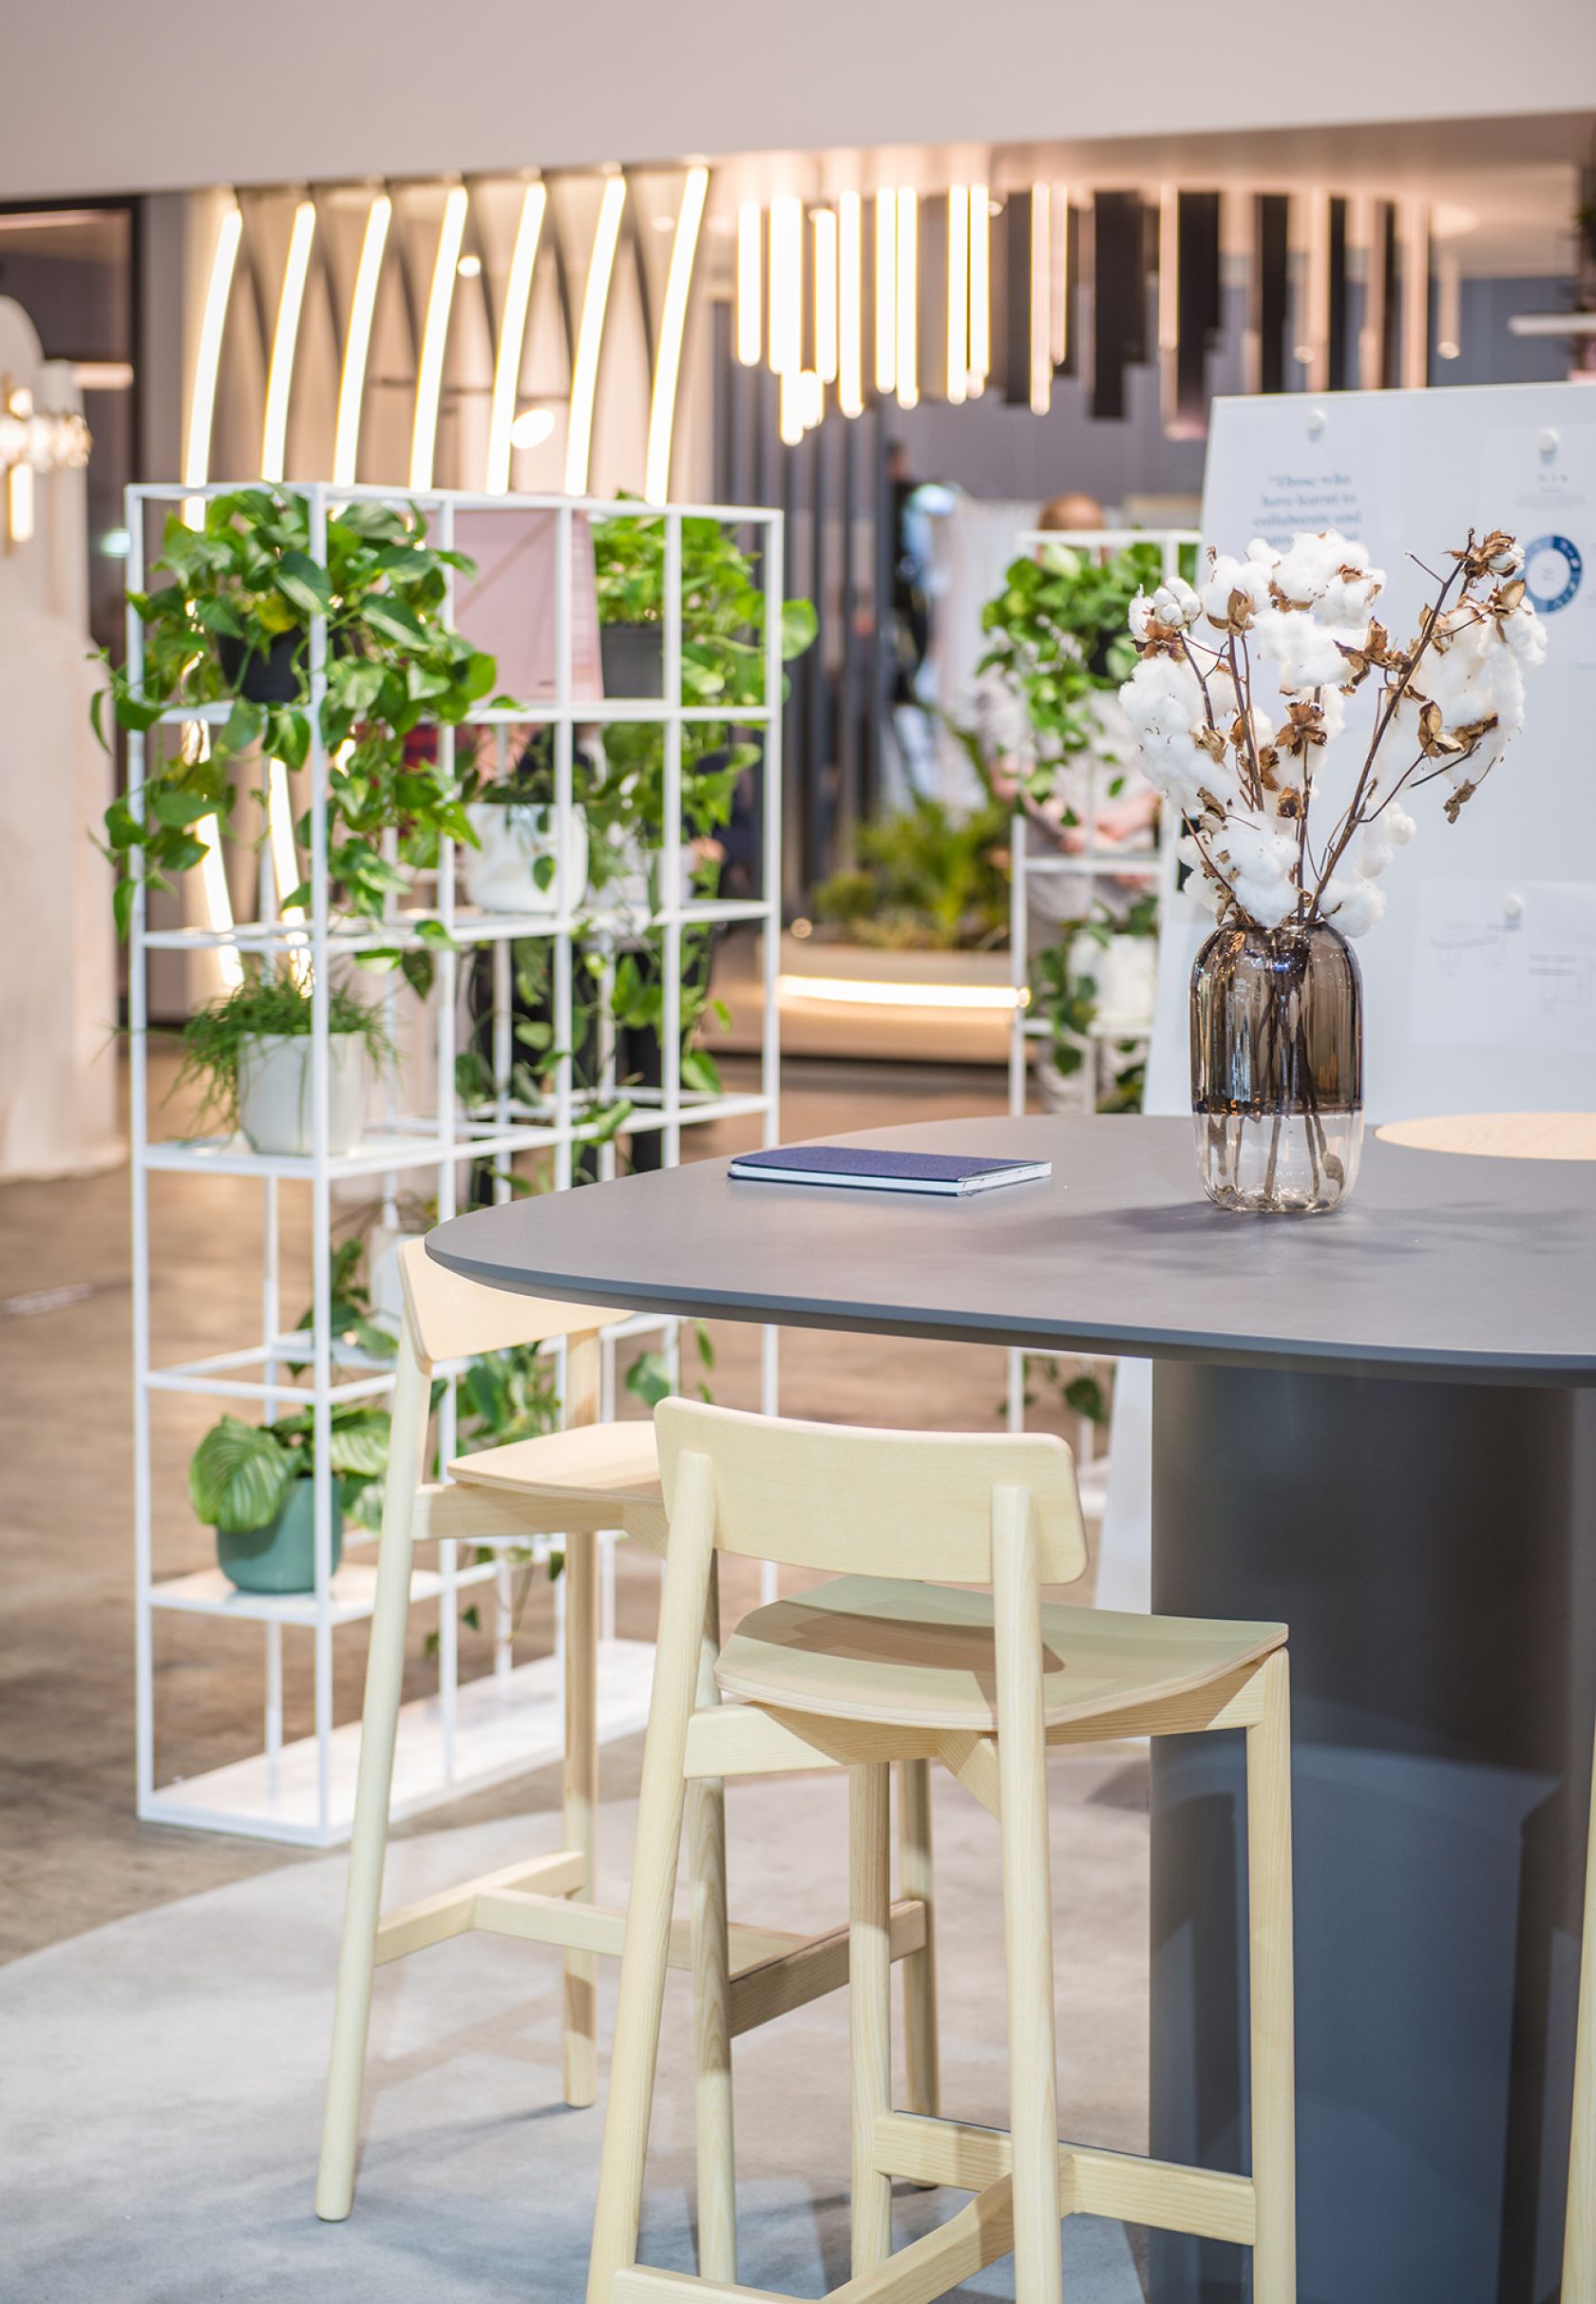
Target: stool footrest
453 1911
1121 2185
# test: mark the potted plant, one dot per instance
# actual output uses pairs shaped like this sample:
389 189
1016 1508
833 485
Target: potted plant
230 625
250 1053
255 1484
516 865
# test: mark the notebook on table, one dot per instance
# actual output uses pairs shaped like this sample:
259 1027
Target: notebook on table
950 1175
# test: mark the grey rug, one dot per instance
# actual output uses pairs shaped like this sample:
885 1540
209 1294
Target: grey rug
160 2099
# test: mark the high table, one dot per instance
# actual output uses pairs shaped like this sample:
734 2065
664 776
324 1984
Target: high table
1373 1426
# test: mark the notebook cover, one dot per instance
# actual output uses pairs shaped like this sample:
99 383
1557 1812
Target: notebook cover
843 1160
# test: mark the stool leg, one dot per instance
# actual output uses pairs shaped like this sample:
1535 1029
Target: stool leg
869 2005
646 1951
1027 1901
385 1672
581 1803
711 1989
916 1880
1579 2233
1274 2109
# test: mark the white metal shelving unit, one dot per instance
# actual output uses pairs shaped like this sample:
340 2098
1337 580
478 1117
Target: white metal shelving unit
470 1733
1091 863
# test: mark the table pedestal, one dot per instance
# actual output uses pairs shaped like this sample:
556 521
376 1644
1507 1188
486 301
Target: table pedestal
1418 1539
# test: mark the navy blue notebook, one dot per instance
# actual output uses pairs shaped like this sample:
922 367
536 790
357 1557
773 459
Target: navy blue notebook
954 1175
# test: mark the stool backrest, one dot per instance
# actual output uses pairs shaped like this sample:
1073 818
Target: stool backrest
844 1500
447 1317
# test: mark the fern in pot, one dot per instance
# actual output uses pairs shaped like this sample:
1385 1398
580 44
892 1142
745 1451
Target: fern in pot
255 1484
251 1054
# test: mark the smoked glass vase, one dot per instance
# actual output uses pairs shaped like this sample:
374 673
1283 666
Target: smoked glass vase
1276 1068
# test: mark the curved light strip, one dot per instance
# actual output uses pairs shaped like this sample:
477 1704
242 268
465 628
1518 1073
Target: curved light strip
434 339
590 336
207 358
358 343
512 340
672 324
850 269
285 342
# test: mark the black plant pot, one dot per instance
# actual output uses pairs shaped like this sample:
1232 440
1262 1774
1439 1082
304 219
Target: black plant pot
633 657
271 678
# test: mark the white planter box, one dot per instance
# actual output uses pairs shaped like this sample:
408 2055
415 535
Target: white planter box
500 876
277 1100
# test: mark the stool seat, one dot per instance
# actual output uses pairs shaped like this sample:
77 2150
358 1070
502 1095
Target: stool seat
617 1463
875 1648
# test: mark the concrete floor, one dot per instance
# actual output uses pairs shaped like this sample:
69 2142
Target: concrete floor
75 1855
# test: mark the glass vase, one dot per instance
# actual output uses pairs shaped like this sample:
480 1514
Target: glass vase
1276 1068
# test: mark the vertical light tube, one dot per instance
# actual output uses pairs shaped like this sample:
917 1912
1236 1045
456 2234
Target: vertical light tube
750 331
672 326
286 875
784 336
1168 304
285 340
824 225
1412 227
207 359
219 900
1367 251
512 338
957 292
358 343
1313 348
1448 304
19 477
434 339
1059 296
1041 282
589 334
981 288
812 398
851 317
789 408
908 296
886 290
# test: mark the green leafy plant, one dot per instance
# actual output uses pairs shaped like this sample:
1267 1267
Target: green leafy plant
244 584
241 1475
927 878
266 1003
1065 993
649 1377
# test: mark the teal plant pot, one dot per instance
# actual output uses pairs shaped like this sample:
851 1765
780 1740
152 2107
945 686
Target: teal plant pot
281 1557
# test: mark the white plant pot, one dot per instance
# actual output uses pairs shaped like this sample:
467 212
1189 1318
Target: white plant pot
1126 970
501 876
277 1104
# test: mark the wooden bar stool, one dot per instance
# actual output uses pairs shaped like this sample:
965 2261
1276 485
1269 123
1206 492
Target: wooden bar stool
887 1662
574 1484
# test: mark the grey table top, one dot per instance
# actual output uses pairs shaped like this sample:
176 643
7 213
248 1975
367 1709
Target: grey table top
1439 1264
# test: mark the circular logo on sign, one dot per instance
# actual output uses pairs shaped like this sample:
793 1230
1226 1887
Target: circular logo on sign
1552 568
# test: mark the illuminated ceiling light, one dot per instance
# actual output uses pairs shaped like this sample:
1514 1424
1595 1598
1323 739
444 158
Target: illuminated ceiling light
908 296
1314 352
981 288
825 247
207 358
217 900
1449 305
529 431
1169 305
285 341
469 267
784 336
285 858
789 416
1041 284
749 222
957 292
434 338
504 426
1413 229
672 325
590 336
18 402
358 343
850 318
1058 290
102 375
859 991
886 290
812 398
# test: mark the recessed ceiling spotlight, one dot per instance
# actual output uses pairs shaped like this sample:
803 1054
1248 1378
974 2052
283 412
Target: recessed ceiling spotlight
532 427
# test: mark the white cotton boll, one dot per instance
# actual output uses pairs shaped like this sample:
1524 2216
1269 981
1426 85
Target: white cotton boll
1302 574
1265 553
1375 849
1349 600
1353 905
1268 902
1175 603
1399 825
1248 576
1139 617
1304 653
1524 634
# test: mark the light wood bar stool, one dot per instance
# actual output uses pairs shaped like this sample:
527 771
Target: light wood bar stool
885 1663
575 1484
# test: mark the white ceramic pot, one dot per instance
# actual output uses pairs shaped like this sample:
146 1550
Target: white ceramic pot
277 1100
501 874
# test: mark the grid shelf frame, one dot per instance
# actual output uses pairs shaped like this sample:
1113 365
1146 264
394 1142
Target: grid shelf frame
476 1732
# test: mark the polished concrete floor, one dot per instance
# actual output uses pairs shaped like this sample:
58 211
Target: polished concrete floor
75 1855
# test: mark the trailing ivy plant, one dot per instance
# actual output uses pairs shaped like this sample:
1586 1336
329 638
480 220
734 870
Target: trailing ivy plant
241 1475
1065 994
240 594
